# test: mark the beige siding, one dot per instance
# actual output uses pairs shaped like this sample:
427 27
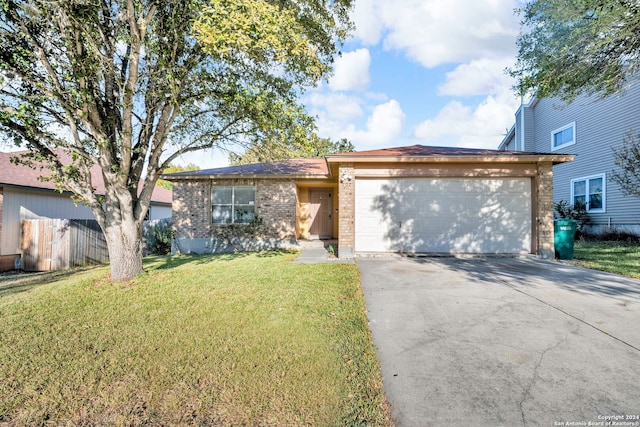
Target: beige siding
449 170
303 213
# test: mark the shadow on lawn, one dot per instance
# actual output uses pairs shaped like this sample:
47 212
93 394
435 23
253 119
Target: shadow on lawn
25 281
172 261
11 284
537 273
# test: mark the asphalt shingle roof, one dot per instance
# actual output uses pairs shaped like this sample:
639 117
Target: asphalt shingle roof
428 151
24 176
296 167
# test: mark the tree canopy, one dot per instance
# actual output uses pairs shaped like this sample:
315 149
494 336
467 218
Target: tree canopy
133 84
573 47
173 169
269 150
627 158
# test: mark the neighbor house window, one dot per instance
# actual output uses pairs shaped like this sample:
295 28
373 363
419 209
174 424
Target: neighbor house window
563 137
589 191
233 204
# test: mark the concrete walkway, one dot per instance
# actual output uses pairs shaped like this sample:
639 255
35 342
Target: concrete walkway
318 251
504 342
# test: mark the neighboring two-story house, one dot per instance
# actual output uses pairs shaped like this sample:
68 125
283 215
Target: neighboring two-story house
590 128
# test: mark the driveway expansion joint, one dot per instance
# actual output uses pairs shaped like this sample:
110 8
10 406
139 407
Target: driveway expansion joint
571 315
466 349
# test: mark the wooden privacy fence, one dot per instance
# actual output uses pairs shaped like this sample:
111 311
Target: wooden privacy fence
56 244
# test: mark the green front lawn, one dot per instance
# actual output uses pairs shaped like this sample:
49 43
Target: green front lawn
245 339
611 256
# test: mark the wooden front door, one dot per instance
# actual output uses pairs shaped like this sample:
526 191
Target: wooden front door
320 209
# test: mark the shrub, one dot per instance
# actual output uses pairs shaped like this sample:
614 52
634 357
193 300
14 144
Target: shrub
157 238
254 229
613 236
577 211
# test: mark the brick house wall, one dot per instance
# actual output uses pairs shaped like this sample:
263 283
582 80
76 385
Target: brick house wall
347 204
544 212
275 201
191 208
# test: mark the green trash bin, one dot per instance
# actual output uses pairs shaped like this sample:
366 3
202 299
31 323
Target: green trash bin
564 231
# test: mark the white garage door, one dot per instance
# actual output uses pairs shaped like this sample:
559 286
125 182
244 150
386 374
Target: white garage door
451 215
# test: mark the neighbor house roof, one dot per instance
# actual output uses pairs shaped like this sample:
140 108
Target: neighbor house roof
22 176
297 168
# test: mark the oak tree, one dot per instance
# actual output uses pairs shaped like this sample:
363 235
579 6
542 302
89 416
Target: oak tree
627 158
130 85
311 147
573 47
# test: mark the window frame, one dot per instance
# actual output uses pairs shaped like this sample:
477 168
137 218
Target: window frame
233 204
554 132
586 180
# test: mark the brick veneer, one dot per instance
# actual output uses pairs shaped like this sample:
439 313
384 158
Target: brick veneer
347 202
544 181
275 204
192 209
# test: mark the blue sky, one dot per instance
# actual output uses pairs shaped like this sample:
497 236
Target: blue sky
427 72
424 72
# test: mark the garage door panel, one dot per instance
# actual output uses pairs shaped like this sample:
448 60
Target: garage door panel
443 215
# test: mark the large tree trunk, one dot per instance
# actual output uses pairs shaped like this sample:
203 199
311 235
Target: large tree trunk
124 241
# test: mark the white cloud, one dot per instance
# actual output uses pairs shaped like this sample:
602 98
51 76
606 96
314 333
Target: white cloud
368 22
336 106
435 32
461 125
333 111
351 71
479 77
477 37
384 125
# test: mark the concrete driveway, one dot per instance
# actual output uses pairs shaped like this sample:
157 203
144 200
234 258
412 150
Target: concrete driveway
504 341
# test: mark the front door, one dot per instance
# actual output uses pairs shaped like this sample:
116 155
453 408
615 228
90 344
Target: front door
321 205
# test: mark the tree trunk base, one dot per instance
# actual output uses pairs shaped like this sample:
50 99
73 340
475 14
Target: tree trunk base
125 251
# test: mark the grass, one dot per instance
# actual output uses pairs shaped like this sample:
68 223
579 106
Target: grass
246 339
619 257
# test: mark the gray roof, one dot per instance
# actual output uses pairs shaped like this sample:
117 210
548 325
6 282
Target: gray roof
295 167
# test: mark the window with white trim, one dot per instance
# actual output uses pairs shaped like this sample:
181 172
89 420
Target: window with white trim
590 191
233 204
563 137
